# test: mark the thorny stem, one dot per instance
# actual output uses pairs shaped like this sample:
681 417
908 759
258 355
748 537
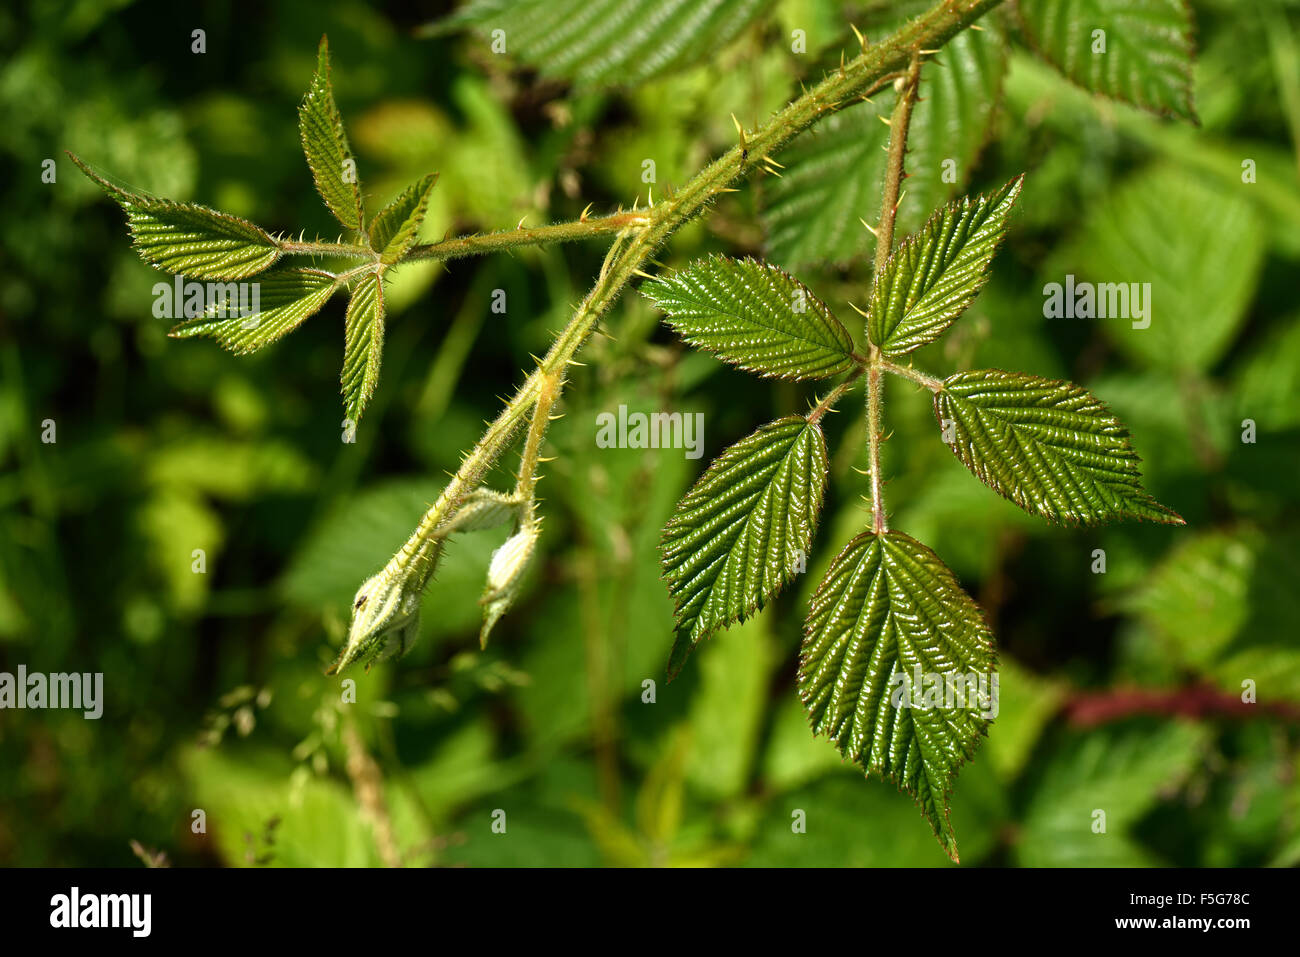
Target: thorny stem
636 242
894 176
835 395
907 372
479 244
526 486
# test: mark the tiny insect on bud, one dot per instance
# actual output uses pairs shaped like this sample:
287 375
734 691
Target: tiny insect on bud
386 612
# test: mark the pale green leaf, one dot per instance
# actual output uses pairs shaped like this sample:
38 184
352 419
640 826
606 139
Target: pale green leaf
1120 772
755 316
190 239
832 176
887 614
326 146
935 274
364 345
1190 250
606 42
396 227
286 297
738 535
1143 54
1047 445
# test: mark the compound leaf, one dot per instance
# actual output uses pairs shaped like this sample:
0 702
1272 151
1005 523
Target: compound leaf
887 614
936 273
190 239
326 146
1049 446
285 297
832 176
606 42
364 345
395 228
1139 51
755 316
740 532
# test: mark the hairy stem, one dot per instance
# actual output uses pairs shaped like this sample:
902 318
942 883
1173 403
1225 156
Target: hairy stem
894 174
636 242
907 372
479 244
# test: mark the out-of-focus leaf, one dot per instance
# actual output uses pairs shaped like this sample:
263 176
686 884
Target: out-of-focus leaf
606 42
1139 51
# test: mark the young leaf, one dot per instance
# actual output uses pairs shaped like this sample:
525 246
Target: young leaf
186 238
395 228
326 146
1134 50
736 537
755 316
605 42
1049 446
887 613
285 298
364 344
934 274
831 181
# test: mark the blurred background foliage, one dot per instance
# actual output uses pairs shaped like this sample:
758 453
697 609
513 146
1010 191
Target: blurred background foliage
1116 688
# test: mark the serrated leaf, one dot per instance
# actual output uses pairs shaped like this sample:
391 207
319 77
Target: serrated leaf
364 345
1147 58
190 239
756 316
286 298
735 538
1049 446
606 42
936 273
888 611
831 181
396 227
1191 250
325 145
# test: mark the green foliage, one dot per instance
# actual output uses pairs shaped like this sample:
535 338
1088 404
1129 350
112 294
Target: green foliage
286 297
889 610
755 316
190 239
605 42
935 274
1143 54
396 227
364 344
738 534
326 146
1049 446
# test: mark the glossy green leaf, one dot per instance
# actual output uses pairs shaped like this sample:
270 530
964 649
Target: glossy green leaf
190 239
396 227
742 530
832 176
1190 250
888 634
935 274
1047 445
286 298
326 146
364 346
755 316
606 42
1139 51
